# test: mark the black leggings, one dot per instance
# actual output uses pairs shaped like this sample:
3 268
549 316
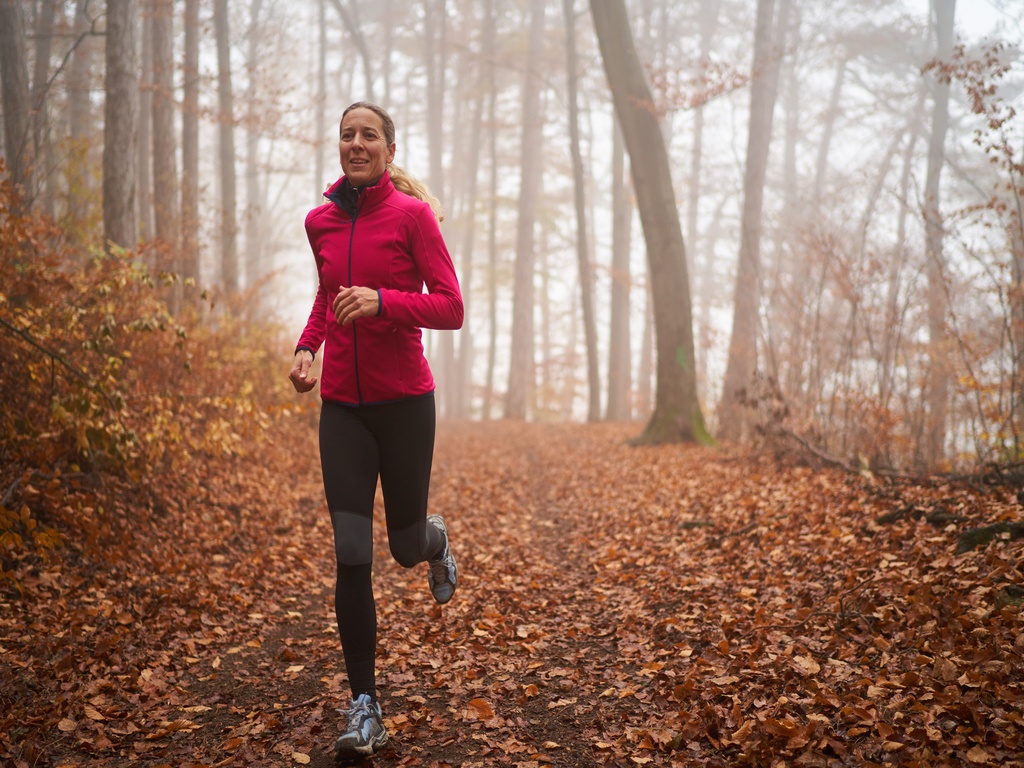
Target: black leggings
358 444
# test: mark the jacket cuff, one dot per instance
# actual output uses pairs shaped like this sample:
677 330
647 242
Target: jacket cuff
380 303
303 347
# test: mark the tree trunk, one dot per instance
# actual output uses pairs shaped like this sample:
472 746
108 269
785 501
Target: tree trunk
226 125
933 450
319 172
893 310
677 415
254 208
521 368
120 113
435 33
792 131
79 119
144 126
1016 320
492 226
586 271
700 253
619 349
647 365
546 401
742 361
461 382
15 97
165 166
42 149
792 380
190 146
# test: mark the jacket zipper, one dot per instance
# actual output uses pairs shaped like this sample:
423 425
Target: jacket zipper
355 335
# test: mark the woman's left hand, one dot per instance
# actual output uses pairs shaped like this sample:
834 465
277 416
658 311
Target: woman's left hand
354 302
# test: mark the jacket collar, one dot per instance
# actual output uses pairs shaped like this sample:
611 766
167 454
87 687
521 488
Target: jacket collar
354 199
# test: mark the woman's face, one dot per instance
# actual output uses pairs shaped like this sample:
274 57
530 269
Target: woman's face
363 148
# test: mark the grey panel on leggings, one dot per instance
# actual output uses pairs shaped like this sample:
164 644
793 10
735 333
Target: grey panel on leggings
353 538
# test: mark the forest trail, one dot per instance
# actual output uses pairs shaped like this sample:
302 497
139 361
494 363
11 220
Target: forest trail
617 606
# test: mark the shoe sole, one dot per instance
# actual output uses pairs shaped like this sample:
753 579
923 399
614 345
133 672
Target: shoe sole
350 754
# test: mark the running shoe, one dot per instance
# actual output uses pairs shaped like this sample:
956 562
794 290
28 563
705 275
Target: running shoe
443 574
365 733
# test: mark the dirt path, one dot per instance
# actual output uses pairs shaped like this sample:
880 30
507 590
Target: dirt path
523 668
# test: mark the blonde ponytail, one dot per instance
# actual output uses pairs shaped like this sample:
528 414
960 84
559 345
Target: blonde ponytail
415 188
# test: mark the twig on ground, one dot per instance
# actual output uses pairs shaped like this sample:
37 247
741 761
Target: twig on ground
717 541
299 705
10 491
840 614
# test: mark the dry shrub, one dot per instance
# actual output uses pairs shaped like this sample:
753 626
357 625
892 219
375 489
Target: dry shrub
101 385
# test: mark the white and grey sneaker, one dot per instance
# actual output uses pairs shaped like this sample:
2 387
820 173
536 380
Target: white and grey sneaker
365 733
443 574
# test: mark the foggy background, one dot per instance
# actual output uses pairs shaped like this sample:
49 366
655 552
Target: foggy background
842 327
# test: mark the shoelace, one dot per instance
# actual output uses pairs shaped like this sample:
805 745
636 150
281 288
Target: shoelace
358 713
440 566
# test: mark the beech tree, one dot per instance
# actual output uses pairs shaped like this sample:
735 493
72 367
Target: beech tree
474 91
320 119
742 363
165 167
15 96
190 145
677 414
256 249
586 272
144 126
521 368
435 60
701 259
79 116
42 147
619 347
491 80
226 146
120 113
938 370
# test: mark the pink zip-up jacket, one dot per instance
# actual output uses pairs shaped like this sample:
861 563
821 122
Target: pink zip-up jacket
391 242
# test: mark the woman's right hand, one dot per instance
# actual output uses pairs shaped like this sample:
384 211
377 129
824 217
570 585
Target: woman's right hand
299 374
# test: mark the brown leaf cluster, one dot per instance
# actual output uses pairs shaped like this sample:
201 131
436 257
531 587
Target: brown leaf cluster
617 606
100 383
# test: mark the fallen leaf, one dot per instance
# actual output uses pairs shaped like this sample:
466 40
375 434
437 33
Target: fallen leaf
561 703
480 709
977 754
809 665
